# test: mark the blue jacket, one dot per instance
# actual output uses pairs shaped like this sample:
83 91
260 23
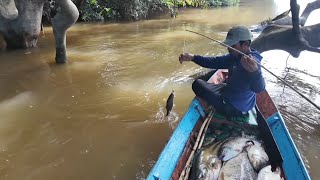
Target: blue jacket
242 85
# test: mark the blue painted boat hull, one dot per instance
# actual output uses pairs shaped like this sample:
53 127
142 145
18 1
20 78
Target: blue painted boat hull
171 154
292 165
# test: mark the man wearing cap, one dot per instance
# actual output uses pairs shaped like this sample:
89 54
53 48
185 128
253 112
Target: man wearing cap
245 77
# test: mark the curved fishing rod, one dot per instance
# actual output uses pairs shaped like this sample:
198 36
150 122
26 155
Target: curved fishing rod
283 81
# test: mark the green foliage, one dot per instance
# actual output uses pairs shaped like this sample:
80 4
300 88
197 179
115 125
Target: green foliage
218 3
92 10
200 3
197 3
102 10
174 4
185 3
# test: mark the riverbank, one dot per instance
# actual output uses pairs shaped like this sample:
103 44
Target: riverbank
131 10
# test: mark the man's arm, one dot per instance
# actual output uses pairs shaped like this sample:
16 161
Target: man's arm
218 62
257 83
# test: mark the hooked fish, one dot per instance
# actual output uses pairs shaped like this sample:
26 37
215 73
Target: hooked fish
169 104
266 174
206 164
238 168
257 156
233 147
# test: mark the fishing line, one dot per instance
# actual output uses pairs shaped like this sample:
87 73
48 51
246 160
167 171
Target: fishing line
184 45
183 51
287 63
287 69
283 81
287 72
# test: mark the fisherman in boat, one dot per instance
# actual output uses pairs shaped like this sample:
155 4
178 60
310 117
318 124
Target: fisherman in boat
237 95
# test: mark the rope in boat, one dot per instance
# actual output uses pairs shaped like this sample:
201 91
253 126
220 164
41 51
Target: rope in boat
283 81
204 127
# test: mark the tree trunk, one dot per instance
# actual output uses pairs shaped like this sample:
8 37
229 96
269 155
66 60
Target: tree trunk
8 9
23 31
63 20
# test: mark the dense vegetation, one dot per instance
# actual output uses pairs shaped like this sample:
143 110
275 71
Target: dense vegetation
114 10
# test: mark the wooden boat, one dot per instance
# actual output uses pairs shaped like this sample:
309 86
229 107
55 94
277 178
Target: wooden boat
173 160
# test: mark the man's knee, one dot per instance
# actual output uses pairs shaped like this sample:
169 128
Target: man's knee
196 85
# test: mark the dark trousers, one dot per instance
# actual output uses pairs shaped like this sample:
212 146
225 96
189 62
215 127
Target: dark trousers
212 94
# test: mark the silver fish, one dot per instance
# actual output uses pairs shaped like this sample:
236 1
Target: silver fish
233 147
206 164
257 156
266 174
208 168
238 168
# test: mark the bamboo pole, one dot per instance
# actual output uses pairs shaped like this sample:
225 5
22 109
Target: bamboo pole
185 173
205 132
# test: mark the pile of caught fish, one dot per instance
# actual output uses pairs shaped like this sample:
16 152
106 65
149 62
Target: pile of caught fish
241 158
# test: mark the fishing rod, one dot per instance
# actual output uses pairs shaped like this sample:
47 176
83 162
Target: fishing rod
283 81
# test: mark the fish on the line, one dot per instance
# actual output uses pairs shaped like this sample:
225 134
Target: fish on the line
169 104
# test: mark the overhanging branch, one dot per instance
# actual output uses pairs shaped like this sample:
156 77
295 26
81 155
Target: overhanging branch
285 19
307 11
295 17
291 38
